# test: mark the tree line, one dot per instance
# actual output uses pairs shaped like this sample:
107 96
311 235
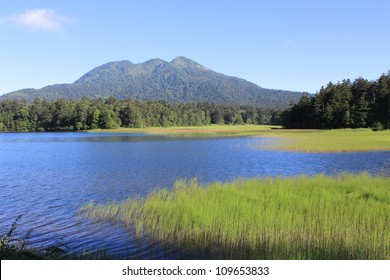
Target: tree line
347 104
110 113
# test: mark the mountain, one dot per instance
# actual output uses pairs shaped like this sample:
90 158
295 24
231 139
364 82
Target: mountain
181 80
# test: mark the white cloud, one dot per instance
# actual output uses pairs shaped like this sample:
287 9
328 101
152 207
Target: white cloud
38 19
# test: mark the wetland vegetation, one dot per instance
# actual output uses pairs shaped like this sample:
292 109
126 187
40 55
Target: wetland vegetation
301 140
309 216
336 140
320 217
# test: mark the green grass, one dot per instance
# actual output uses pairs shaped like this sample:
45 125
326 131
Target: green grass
338 140
197 131
344 217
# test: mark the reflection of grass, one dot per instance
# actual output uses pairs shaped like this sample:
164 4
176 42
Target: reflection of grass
319 217
13 247
338 140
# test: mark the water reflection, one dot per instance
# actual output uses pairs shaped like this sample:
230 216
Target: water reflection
47 176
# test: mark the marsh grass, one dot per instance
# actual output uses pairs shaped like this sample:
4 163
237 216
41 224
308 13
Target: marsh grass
303 140
338 140
320 217
199 131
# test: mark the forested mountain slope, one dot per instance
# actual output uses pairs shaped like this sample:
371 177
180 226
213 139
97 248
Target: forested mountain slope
181 80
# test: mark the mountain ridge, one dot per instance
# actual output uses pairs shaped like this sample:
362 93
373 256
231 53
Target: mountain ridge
180 80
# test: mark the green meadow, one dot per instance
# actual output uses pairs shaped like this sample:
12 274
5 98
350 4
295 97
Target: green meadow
198 131
337 140
320 217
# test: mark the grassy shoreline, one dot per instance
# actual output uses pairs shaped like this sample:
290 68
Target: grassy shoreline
338 140
197 131
319 141
320 217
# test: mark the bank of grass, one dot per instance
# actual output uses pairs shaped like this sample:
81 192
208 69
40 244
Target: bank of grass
198 131
343 217
337 140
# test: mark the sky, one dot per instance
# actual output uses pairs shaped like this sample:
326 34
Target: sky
296 45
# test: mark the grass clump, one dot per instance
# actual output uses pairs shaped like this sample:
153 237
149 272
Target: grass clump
320 217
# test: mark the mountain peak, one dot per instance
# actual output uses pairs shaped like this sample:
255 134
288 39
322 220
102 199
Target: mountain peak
154 61
181 59
180 80
183 62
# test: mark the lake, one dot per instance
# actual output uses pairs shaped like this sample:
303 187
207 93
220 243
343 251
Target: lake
46 177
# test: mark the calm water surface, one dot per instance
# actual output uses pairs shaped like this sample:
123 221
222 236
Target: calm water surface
46 177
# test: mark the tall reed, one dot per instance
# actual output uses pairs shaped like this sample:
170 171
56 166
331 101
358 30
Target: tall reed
320 217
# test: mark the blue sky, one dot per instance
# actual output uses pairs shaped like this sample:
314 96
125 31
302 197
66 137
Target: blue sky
294 45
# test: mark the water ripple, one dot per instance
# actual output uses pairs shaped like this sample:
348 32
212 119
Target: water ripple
46 177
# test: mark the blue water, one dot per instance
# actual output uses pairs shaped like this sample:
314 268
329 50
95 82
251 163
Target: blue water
46 177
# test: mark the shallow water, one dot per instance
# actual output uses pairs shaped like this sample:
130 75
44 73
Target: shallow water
46 177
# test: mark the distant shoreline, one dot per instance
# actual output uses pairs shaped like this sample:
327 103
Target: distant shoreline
299 140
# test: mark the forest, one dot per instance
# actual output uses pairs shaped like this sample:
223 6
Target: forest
110 113
346 104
